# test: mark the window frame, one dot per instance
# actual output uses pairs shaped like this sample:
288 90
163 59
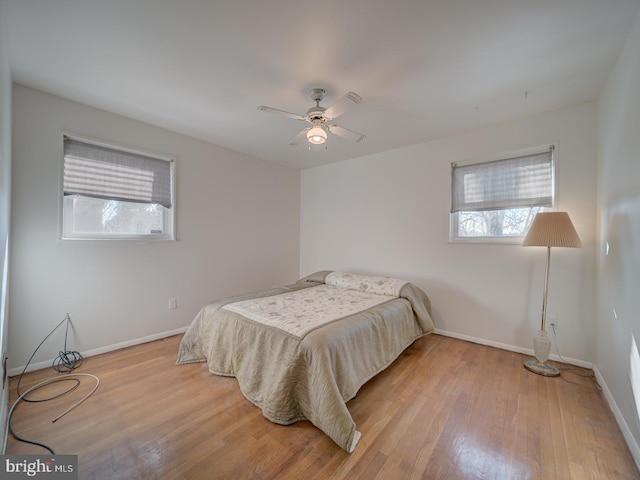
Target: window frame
66 201
504 239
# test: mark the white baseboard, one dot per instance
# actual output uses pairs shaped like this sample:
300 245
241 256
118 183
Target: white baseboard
622 424
512 348
624 427
97 351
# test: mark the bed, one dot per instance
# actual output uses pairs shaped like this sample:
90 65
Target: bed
302 351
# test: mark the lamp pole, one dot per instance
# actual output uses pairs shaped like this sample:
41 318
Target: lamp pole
546 289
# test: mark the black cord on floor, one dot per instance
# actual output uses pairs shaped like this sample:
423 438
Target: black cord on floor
65 362
62 358
574 369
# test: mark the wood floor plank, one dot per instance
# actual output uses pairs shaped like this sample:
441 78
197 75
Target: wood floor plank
444 409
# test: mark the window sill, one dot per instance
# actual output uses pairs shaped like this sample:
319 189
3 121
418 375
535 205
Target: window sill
487 240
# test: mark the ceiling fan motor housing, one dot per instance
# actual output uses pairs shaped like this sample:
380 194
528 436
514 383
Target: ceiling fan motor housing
316 113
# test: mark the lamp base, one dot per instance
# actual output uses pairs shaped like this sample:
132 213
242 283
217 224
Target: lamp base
541 368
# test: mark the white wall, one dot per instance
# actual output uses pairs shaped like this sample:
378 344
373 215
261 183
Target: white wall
237 225
389 214
618 322
5 204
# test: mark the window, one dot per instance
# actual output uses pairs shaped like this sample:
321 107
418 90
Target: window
497 200
110 193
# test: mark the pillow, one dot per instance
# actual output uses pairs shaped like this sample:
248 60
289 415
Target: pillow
366 283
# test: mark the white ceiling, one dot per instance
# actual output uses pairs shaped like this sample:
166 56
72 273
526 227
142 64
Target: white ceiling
424 68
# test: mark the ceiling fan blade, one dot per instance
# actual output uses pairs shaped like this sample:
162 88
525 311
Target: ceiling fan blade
295 116
346 133
298 138
342 105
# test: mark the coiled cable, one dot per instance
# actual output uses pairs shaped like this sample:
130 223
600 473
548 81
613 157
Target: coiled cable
65 362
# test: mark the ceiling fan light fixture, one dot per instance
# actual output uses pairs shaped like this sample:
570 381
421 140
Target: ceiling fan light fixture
317 135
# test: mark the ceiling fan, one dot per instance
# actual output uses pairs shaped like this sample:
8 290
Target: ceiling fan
319 118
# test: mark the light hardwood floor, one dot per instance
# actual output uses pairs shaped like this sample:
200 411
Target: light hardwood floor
446 409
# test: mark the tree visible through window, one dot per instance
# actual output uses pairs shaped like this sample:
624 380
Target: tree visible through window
100 216
512 222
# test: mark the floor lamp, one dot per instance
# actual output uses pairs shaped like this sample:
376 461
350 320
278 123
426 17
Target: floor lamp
549 229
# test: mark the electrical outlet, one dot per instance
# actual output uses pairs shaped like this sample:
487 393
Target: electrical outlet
553 320
173 304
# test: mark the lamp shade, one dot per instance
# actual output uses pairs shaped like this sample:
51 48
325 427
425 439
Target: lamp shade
552 229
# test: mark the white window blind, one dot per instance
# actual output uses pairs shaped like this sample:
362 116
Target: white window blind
101 172
517 182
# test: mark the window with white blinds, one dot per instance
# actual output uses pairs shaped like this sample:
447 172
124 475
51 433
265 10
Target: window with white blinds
499 198
103 172
115 193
